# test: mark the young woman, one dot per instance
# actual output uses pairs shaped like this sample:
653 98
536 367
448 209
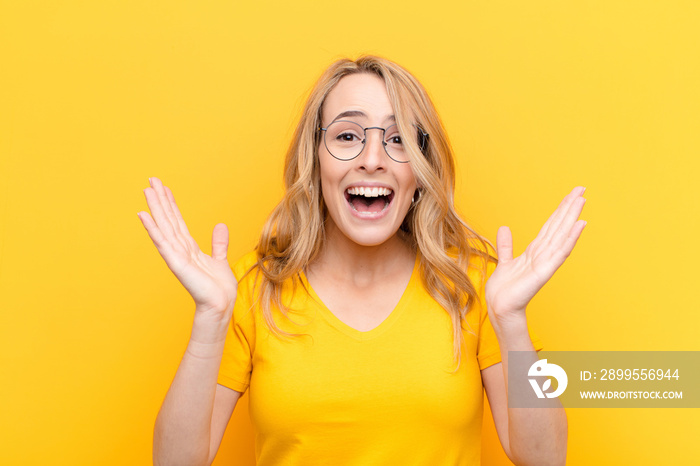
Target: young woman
363 325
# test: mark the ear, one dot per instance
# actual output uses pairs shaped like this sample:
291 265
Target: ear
423 140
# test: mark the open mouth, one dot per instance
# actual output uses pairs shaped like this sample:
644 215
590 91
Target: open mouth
369 200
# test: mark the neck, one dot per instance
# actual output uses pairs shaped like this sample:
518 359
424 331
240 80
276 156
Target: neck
343 259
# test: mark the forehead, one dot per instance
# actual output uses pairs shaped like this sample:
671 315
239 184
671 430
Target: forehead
361 92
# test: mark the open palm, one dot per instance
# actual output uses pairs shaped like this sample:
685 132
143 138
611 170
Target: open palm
208 279
516 280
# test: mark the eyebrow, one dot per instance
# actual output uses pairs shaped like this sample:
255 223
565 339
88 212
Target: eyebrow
357 113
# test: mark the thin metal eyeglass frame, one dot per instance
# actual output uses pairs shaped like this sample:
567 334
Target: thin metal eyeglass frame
423 141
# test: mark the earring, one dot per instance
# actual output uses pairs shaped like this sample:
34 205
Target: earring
420 194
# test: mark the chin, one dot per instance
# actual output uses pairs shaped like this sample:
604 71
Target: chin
369 237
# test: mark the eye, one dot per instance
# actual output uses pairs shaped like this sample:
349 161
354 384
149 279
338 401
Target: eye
396 140
345 133
347 136
393 137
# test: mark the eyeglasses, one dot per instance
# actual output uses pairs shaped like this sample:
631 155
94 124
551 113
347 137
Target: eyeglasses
346 140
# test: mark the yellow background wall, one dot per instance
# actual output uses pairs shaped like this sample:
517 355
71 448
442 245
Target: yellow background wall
538 96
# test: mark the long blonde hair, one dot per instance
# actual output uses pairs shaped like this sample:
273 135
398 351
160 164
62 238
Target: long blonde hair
294 231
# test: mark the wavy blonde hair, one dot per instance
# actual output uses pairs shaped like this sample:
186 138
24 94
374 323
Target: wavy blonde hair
294 232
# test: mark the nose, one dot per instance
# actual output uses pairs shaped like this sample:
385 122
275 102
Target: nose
373 156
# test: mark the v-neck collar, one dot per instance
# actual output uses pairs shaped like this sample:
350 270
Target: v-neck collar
384 325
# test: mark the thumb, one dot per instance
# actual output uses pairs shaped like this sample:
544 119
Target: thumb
219 241
504 244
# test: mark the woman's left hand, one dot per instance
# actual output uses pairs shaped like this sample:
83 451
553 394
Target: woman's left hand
516 280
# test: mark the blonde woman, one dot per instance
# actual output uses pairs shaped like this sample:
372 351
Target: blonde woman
363 325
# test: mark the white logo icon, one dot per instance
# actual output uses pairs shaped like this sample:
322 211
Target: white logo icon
541 368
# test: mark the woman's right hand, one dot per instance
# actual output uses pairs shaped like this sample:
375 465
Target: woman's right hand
209 279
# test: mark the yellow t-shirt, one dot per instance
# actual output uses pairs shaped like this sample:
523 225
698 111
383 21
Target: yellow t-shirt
339 396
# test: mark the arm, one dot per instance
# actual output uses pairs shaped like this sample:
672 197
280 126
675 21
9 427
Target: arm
196 410
530 436
534 436
194 414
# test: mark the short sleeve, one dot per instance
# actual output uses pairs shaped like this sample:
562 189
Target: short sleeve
488 352
237 361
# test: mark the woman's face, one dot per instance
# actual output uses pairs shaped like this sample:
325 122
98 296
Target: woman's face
374 217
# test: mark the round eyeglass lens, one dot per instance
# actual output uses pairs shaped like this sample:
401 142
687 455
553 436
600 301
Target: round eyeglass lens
344 139
393 143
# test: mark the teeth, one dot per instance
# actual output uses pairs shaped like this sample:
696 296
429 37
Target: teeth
369 192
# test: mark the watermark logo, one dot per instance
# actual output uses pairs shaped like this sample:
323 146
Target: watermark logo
604 379
542 369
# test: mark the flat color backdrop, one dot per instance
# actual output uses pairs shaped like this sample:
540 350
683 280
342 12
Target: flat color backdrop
538 97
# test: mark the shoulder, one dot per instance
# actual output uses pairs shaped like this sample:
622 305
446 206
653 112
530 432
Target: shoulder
248 277
244 265
253 274
479 261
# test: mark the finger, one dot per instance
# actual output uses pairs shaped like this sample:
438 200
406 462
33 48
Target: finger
157 212
176 210
178 217
184 240
153 231
555 219
552 224
504 244
543 231
164 247
560 235
573 237
219 242
158 187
